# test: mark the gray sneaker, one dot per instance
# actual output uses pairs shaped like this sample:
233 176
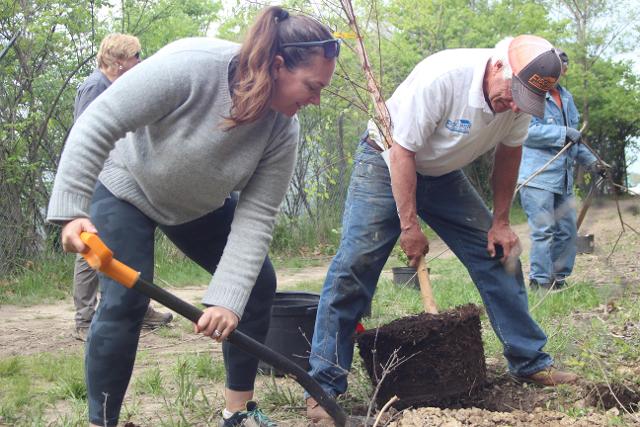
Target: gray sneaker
252 417
154 319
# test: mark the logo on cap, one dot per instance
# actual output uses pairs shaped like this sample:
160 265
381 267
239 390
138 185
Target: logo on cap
542 83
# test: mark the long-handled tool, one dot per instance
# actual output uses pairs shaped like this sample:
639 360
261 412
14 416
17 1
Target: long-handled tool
101 258
425 288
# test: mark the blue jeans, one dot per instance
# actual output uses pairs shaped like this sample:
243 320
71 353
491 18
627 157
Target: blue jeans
552 221
115 328
370 228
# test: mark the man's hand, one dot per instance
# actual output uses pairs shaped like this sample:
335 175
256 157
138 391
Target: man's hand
601 168
414 243
217 323
573 135
502 234
71 241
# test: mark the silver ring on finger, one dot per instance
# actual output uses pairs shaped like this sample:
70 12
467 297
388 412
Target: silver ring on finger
217 334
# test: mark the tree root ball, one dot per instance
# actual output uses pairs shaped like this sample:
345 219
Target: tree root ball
433 357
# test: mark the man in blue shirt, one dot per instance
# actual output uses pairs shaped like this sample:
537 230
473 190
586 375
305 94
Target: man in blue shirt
548 198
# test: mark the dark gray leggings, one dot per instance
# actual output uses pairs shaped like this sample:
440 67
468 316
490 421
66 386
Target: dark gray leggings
115 329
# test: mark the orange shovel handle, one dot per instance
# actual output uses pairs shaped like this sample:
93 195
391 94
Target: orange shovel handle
100 258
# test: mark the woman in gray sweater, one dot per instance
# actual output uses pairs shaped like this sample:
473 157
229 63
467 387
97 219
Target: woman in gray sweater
168 145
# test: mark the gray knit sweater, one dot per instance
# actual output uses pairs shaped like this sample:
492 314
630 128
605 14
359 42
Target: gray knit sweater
175 164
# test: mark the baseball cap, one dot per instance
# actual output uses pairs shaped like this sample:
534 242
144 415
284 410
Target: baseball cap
536 68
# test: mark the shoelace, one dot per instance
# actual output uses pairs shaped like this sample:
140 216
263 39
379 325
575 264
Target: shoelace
258 415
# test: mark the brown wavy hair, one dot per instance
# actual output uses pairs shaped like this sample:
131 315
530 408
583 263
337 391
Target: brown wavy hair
253 83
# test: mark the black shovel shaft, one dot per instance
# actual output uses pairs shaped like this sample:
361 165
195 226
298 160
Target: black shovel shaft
251 346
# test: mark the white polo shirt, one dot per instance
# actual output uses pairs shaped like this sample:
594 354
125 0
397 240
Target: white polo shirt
439 112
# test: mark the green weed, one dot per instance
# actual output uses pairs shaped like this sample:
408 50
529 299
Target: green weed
280 395
10 367
15 397
205 367
150 382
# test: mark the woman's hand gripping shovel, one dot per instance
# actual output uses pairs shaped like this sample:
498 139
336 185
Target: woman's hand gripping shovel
101 258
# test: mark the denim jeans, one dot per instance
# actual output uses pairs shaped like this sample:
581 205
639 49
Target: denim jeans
115 329
370 228
552 221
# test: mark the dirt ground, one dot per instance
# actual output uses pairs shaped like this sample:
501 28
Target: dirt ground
47 328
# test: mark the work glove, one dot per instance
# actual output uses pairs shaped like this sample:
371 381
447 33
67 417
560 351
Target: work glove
601 168
573 135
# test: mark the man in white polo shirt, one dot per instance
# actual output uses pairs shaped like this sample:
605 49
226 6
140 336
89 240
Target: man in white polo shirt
455 106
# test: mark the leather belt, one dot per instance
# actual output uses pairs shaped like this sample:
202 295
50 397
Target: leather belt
372 144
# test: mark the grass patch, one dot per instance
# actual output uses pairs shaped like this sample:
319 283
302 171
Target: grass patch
149 382
314 286
173 267
280 262
10 367
46 279
202 366
517 215
166 331
31 384
278 395
50 277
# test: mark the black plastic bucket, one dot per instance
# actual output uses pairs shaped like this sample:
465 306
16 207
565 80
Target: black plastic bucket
406 277
293 318
585 244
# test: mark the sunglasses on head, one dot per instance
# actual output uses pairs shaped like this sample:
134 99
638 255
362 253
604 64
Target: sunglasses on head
331 47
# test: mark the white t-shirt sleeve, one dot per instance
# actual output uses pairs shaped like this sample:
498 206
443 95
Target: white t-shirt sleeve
417 117
519 131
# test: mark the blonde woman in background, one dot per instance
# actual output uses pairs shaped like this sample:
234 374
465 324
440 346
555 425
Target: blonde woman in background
118 53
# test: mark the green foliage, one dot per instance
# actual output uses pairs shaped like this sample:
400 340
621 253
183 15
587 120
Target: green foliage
159 22
613 110
606 91
57 43
53 53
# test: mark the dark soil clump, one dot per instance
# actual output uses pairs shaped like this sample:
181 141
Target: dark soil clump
436 358
615 395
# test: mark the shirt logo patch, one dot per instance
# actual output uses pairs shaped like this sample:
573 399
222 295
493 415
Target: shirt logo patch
459 126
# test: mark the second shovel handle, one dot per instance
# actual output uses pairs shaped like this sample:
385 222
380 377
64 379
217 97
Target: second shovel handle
425 288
